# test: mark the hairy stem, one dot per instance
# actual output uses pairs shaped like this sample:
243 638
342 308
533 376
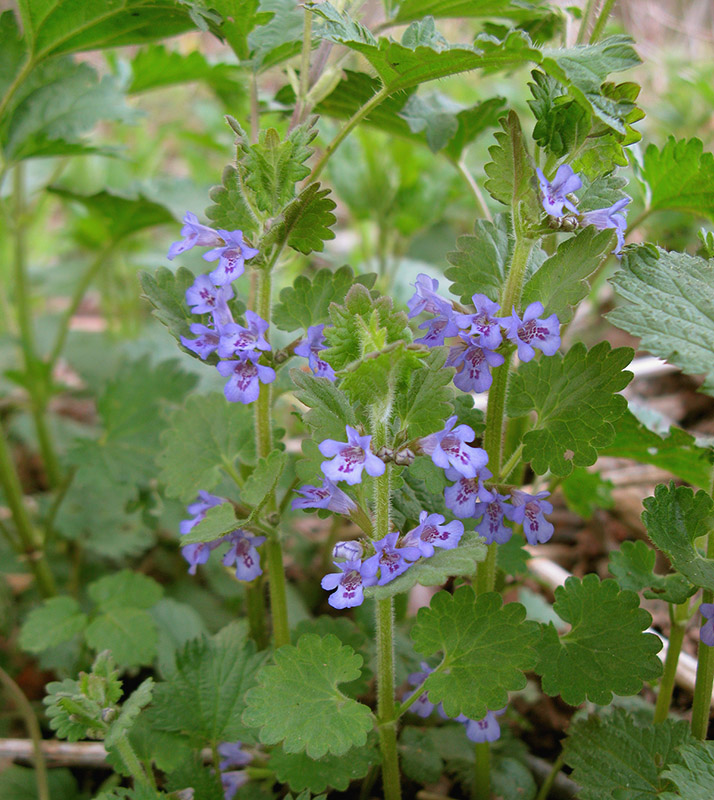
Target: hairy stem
465 173
585 21
701 705
304 85
601 21
678 615
131 761
255 609
33 731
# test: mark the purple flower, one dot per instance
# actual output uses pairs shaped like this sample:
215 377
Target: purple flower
231 257
529 510
206 343
439 329
611 217
495 509
348 551
243 554
483 324
326 496
195 235
426 299
486 729
431 532
310 349
462 498
706 632
233 755
531 332
554 195
207 298
198 508
198 553
243 377
232 781
475 362
237 339
350 458
422 706
349 583
448 448
390 559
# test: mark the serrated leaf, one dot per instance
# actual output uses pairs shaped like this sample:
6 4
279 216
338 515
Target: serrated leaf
129 633
561 282
605 652
239 19
562 124
382 375
202 436
300 772
675 518
229 210
586 492
418 756
695 778
680 177
519 13
125 589
305 223
177 623
277 38
166 291
574 398
614 757
264 478
633 568
307 301
510 172
669 303
486 648
677 452
298 702
423 404
330 411
205 696
131 707
512 557
57 620
602 192
216 523
435 571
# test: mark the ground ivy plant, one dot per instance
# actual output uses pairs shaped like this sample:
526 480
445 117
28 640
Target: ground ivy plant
420 486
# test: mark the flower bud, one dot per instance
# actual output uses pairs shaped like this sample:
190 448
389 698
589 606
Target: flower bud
349 551
404 457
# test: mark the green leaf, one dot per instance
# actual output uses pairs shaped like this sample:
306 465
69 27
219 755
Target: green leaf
510 172
301 772
675 518
676 452
512 557
614 757
362 325
381 375
63 26
435 571
131 707
239 19
633 568
561 282
264 479
604 621
602 192
562 123
203 437
423 405
166 291
307 301
305 223
113 216
586 492
205 696
694 779
418 756
217 523
680 177
279 37
229 210
20 783
57 620
519 13
486 648
298 702
129 633
55 106
575 401
177 623
330 411
669 303
125 589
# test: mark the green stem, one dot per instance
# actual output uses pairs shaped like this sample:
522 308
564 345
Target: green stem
33 731
513 461
304 86
678 615
701 705
255 609
482 772
131 761
30 546
602 19
465 173
547 784
264 443
486 571
352 122
585 22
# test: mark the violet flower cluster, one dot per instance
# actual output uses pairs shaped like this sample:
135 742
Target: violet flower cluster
481 333
233 758
557 199
239 347
310 349
477 730
242 552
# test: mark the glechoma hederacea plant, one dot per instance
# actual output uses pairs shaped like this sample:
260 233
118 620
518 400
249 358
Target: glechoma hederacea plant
421 486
